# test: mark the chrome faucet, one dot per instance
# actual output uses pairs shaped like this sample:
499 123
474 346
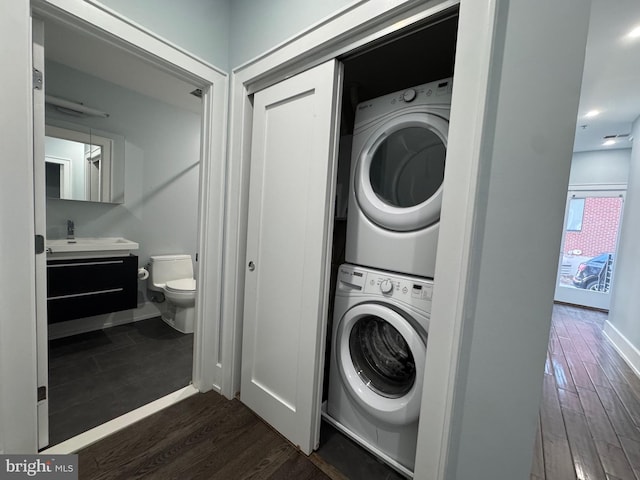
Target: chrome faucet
70 231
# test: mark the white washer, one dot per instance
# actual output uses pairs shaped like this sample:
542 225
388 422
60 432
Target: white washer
397 169
378 348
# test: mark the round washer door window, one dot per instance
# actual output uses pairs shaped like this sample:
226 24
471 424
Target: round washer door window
382 357
398 181
381 360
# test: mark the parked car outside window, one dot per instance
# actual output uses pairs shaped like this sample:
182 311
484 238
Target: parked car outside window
592 274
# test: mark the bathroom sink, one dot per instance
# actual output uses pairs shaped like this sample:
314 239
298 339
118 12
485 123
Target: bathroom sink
90 246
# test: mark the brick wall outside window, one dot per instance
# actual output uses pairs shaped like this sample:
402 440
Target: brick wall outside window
599 227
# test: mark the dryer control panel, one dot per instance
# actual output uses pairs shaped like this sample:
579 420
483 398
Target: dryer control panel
434 93
414 291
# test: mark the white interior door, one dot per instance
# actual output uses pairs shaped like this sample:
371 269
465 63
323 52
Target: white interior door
588 254
40 229
293 154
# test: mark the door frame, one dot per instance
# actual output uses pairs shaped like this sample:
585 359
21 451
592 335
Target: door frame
109 26
40 225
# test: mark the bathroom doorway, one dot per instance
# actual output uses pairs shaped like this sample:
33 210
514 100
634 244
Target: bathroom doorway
96 368
103 366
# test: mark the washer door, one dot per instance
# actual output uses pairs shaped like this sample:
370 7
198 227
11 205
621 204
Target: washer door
381 360
399 174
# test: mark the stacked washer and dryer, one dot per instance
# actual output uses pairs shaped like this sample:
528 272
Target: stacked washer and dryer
383 295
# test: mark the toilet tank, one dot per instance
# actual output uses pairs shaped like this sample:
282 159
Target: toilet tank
165 268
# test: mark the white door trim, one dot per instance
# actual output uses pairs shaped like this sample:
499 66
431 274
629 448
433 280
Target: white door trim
107 25
40 225
18 420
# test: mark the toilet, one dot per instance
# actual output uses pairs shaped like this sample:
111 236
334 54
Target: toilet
173 276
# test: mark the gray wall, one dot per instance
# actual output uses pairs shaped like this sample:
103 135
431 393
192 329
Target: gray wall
162 154
257 26
225 33
517 211
600 167
199 26
625 302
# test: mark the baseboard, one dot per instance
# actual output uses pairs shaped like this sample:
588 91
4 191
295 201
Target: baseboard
83 325
625 348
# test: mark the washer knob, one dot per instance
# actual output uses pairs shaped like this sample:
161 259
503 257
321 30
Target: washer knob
409 95
386 286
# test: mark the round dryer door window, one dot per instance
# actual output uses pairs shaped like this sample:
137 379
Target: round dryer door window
381 360
398 181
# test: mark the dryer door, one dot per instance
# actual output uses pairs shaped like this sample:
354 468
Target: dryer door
399 172
381 356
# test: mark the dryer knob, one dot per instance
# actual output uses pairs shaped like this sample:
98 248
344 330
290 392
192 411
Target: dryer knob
386 286
409 95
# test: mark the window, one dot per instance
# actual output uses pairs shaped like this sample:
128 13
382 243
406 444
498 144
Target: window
575 215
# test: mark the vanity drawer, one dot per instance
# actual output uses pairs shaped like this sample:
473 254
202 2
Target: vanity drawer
80 288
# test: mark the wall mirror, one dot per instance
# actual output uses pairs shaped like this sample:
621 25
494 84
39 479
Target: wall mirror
83 163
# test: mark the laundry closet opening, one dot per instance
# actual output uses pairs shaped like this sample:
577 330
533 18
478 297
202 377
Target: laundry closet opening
392 147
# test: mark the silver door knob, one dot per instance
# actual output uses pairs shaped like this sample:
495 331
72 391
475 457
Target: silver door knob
252 266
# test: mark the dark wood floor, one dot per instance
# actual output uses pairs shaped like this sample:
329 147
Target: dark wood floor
97 376
589 426
590 412
202 437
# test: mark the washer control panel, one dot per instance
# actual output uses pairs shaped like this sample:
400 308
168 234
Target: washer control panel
411 290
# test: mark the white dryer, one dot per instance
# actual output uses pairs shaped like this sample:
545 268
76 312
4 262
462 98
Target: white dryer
397 168
378 348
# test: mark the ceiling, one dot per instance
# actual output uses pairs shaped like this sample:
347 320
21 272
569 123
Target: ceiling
611 79
101 59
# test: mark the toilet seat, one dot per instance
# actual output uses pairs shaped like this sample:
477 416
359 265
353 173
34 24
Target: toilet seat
181 285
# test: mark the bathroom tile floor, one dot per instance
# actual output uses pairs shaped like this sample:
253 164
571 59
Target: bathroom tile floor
97 376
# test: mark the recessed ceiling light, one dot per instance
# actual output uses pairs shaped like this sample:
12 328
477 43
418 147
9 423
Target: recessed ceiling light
635 33
592 113
608 143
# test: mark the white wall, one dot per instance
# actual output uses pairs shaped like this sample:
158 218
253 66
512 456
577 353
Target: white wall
497 413
515 212
600 167
625 302
162 154
17 275
198 26
257 25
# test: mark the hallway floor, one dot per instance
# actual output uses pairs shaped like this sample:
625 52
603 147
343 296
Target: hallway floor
590 412
97 376
589 427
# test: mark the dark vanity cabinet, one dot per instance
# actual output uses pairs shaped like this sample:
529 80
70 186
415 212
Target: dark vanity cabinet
78 288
